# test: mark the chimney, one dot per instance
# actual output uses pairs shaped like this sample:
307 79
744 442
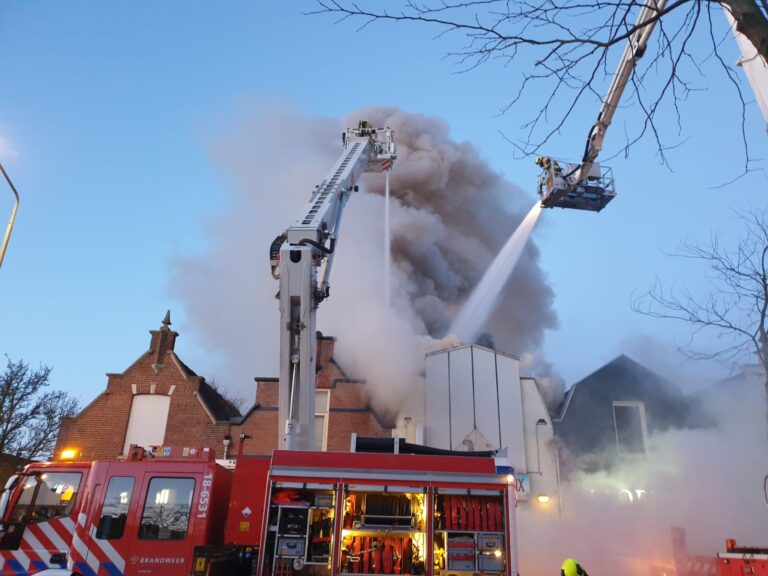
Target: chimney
163 340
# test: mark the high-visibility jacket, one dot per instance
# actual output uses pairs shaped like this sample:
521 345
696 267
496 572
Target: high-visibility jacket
548 164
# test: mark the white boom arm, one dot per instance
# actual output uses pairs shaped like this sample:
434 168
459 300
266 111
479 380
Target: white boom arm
755 67
635 49
587 186
301 259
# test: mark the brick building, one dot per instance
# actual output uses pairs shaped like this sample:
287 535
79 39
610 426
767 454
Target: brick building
159 400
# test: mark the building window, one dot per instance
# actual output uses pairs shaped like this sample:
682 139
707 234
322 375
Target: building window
146 423
114 513
166 509
630 426
322 408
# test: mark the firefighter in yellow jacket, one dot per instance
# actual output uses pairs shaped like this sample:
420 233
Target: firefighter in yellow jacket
547 164
572 568
551 170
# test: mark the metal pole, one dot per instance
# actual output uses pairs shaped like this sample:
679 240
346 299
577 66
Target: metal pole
387 245
13 215
557 476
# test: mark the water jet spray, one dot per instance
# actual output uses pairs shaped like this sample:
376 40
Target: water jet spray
482 301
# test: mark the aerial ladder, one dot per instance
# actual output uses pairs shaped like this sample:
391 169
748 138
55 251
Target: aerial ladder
587 185
301 259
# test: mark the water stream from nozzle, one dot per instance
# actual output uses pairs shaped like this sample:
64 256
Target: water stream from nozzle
476 310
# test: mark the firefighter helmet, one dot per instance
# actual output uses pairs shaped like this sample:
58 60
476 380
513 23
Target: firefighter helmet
572 568
539 161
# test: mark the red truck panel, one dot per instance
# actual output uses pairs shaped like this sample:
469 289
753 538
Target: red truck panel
737 564
246 505
384 462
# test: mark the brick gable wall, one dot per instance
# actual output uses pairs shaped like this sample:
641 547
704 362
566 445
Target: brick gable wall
98 431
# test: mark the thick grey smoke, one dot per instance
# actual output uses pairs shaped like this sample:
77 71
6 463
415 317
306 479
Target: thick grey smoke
708 481
269 161
550 383
457 213
450 214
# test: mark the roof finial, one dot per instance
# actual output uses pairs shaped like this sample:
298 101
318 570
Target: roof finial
166 321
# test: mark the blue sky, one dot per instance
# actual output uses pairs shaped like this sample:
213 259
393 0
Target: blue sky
106 117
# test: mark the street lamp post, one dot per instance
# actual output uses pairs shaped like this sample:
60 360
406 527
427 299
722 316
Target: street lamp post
13 215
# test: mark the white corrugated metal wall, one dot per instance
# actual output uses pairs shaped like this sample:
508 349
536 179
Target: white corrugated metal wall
474 401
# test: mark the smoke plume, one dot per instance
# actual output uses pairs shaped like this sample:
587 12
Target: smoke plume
708 481
550 383
450 214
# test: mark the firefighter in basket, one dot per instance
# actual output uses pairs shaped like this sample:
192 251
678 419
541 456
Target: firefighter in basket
546 163
550 172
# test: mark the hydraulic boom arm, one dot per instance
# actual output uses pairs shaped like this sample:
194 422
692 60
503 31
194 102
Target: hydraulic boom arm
585 186
635 49
301 259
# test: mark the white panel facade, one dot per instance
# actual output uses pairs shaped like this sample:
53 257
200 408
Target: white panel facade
437 427
462 399
486 396
511 404
146 424
539 441
473 393
491 402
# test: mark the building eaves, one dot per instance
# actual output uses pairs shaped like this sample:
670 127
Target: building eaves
86 407
243 417
221 409
477 346
340 369
566 402
185 370
541 397
132 366
622 361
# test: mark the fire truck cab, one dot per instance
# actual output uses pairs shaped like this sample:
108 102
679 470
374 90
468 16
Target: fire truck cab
146 515
38 512
141 515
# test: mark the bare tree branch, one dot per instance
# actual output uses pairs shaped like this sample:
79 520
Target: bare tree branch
736 307
29 413
564 50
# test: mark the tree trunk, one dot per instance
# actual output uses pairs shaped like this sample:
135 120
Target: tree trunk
751 22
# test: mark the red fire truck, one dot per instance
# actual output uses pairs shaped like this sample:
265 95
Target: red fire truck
743 560
179 512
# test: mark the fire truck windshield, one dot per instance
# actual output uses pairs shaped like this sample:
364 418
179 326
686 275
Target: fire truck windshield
46 496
